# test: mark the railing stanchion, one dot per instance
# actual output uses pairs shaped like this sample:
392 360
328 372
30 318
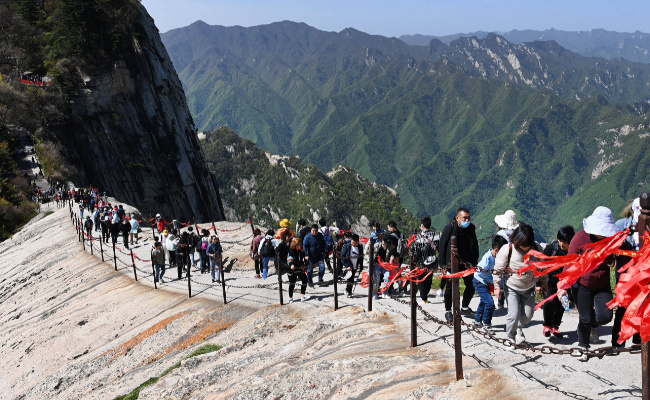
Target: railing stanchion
114 256
414 315
455 291
336 281
371 266
135 273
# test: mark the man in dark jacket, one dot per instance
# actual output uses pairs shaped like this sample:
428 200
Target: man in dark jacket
315 246
125 228
467 245
352 258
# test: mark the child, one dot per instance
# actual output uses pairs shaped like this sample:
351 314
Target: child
482 282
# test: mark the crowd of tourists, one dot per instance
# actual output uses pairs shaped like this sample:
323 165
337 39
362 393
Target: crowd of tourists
305 253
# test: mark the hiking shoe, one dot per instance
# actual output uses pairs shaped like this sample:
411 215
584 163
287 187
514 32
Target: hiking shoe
547 331
425 301
466 311
520 337
488 328
304 298
449 316
258 277
349 295
583 357
311 285
290 300
556 332
478 324
439 293
593 336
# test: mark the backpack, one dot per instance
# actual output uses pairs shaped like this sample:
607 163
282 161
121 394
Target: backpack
191 240
204 244
329 242
267 250
402 246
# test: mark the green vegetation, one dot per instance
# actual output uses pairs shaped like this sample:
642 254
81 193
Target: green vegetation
207 348
253 186
426 123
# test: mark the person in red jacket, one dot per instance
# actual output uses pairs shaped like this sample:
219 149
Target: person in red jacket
594 288
161 224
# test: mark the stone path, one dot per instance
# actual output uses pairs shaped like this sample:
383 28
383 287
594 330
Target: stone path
560 376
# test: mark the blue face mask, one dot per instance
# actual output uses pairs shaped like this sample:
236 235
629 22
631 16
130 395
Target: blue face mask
464 224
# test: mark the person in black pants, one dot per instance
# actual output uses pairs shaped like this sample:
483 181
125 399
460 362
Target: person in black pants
553 309
125 228
467 245
423 252
296 263
182 256
352 259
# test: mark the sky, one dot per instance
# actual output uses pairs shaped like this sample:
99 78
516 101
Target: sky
407 17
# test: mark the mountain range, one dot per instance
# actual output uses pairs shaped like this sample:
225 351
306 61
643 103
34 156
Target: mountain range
634 46
481 123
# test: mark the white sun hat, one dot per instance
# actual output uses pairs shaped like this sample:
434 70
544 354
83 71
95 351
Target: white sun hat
508 220
600 223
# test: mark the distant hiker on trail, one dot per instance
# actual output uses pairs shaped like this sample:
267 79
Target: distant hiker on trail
105 222
483 281
303 229
115 231
553 309
182 256
158 257
125 228
133 233
192 242
327 232
161 224
314 246
507 223
282 252
203 255
521 288
424 255
285 229
267 252
296 269
172 244
215 252
386 253
467 244
352 258
96 219
88 226
255 246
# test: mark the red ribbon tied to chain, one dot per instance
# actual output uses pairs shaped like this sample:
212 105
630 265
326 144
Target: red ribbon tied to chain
575 265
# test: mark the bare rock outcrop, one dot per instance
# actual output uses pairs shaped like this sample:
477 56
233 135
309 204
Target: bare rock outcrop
133 135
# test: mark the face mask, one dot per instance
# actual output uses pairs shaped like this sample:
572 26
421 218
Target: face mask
464 224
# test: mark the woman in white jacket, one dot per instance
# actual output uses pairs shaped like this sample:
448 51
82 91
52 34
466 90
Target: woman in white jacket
521 288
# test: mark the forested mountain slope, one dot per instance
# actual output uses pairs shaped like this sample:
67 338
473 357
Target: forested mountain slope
480 123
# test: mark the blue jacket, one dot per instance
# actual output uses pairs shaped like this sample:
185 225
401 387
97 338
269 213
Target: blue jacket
314 247
347 251
214 248
487 265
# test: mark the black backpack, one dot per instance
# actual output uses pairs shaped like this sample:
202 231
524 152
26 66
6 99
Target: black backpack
192 240
267 249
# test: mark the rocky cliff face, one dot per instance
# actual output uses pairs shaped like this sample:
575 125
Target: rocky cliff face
133 135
